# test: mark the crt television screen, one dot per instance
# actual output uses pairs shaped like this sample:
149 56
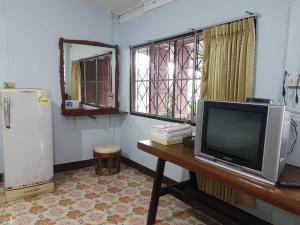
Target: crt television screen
235 136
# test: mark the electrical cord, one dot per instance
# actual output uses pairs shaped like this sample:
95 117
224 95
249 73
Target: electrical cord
295 136
283 86
289 184
296 98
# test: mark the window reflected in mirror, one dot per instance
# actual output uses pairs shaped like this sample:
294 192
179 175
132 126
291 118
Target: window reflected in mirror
89 76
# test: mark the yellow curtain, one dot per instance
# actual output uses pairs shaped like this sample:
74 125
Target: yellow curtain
228 74
76 81
228 61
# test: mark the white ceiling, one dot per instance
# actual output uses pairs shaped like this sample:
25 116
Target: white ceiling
118 7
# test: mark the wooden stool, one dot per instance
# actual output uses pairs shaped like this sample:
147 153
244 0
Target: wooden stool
109 153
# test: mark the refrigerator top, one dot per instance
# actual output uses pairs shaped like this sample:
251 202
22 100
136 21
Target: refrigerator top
8 90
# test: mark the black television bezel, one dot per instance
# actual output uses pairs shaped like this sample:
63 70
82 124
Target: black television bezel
242 107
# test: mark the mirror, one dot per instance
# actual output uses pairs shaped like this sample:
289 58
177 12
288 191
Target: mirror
89 77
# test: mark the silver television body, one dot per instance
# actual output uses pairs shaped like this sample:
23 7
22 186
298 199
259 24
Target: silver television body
275 149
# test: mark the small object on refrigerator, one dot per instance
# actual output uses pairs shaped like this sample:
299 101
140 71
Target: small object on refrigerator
9 84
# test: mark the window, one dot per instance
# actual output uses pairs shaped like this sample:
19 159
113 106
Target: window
96 80
165 78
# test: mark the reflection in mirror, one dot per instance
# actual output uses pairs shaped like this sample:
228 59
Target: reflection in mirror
89 76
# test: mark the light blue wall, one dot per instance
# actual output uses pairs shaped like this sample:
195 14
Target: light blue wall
273 24
177 18
29 55
293 67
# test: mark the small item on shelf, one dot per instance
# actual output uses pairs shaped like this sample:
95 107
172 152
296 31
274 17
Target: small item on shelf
288 184
189 142
72 104
170 134
110 99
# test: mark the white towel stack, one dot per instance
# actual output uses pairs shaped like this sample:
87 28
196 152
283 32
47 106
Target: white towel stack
170 134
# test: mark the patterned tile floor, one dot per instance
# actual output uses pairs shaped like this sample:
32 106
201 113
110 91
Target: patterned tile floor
81 197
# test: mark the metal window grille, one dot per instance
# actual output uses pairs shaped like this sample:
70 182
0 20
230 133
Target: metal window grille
96 79
166 78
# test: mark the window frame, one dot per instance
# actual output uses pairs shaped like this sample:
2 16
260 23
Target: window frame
84 81
132 81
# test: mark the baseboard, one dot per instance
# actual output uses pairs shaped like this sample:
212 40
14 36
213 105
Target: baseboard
125 160
73 165
146 170
86 163
65 167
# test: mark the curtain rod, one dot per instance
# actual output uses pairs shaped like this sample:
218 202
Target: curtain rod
94 57
198 30
251 14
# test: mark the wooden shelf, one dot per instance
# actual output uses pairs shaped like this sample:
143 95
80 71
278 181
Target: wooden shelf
85 112
285 198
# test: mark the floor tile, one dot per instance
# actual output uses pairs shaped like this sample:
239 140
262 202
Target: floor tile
83 198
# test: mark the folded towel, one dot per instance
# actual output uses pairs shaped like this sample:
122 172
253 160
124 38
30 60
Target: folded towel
173 132
167 139
183 133
164 142
175 125
167 142
166 129
166 126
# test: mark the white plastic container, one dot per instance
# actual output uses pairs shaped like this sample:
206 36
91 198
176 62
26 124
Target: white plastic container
72 104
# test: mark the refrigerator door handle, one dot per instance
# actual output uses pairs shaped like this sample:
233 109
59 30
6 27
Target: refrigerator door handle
7 112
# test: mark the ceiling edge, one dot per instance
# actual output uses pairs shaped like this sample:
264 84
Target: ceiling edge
92 8
144 7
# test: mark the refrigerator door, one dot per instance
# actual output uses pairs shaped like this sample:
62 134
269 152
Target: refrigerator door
6 107
26 122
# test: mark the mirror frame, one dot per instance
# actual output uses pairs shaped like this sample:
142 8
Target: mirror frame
88 112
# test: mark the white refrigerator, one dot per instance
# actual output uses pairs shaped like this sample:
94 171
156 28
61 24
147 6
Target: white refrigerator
26 124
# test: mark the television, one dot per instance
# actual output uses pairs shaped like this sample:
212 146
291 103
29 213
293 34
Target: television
249 138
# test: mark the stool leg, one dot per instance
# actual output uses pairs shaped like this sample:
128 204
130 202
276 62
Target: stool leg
95 163
100 166
118 163
109 165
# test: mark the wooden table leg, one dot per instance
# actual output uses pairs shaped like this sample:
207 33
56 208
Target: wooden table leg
193 179
160 167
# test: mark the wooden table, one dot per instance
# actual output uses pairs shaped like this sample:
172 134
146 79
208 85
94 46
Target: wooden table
284 198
